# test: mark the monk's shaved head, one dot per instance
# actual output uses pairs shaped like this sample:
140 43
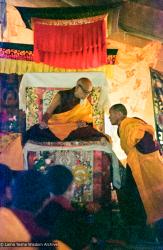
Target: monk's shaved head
117 113
119 107
85 83
83 88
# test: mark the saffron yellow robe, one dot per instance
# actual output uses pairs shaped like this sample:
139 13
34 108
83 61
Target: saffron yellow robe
147 169
62 124
13 231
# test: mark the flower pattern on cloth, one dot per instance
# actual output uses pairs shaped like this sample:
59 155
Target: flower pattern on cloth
90 169
131 84
16 54
6 139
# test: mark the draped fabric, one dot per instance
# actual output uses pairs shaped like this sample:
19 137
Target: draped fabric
10 146
147 169
70 46
10 66
61 125
13 231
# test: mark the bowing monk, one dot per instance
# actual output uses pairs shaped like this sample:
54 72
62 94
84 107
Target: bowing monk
144 171
69 117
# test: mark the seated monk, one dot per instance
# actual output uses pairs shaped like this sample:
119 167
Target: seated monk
69 117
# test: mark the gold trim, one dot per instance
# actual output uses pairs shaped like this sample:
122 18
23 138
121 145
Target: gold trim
61 22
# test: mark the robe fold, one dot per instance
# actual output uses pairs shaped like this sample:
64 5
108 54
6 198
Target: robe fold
62 124
147 168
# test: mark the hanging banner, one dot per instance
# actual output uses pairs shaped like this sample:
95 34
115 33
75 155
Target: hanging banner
157 91
73 44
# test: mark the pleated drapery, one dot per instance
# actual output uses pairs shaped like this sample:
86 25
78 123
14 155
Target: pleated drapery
81 45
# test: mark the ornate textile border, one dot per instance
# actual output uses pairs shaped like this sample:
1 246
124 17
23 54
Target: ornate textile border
16 54
27 55
157 91
10 66
63 22
17 51
64 13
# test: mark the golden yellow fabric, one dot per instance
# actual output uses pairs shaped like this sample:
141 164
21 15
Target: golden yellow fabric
132 131
61 246
11 151
12 230
10 66
61 125
147 169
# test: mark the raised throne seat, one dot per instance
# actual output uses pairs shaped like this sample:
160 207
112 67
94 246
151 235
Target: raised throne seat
90 161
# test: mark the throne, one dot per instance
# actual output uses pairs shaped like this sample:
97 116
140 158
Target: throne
93 163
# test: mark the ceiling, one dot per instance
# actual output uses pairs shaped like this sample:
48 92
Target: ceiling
150 12
61 3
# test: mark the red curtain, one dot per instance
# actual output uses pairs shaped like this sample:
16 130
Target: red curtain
71 46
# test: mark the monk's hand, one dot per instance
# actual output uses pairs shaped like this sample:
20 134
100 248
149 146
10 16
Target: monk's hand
43 125
82 124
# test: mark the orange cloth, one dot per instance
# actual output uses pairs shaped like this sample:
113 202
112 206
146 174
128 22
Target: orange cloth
147 169
12 230
61 125
11 152
61 246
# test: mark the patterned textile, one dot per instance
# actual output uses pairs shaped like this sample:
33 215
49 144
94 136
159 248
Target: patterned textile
131 84
62 13
99 145
60 22
112 56
24 52
157 90
11 152
38 99
16 51
90 169
16 54
67 143
132 72
20 67
6 139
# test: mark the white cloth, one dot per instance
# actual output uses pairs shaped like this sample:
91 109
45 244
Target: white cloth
68 80
104 148
63 80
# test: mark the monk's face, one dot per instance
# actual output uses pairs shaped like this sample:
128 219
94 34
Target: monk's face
70 191
115 116
11 100
83 88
